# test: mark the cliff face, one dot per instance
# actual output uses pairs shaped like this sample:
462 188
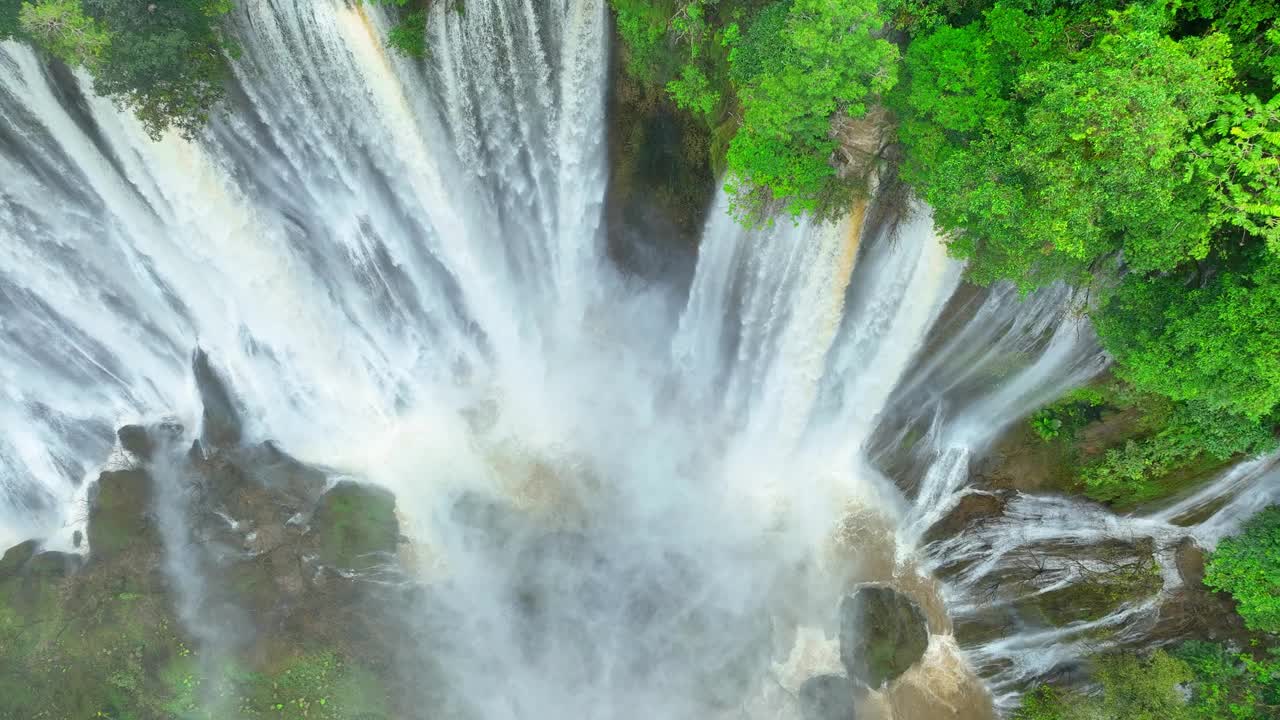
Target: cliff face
221 580
661 182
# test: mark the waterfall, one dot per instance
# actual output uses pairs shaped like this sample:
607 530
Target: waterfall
399 266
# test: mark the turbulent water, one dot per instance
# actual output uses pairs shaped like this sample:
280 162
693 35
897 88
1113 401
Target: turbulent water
402 270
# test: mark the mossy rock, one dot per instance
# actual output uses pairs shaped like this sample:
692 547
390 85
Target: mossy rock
356 526
1088 601
1130 574
118 512
882 634
16 557
53 565
136 440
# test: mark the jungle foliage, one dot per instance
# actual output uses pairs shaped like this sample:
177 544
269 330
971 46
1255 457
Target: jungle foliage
165 61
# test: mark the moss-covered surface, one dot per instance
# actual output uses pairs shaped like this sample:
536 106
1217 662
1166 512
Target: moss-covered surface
882 634
661 176
356 526
1060 445
118 513
99 636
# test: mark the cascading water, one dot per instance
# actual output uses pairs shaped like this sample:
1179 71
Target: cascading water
400 268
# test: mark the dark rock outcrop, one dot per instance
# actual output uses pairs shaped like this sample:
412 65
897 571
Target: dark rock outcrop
882 634
827 697
136 440
973 509
222 426
16 557
119 512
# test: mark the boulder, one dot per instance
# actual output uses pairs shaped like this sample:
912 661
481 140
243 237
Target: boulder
882 634
119 512
355 526
137 441
973 509
143 441
827 697
16 557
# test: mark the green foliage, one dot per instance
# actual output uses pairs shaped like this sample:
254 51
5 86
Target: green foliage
1189 432
1222 686
1137 689
315 686
1231 686
1042 159
642 25
774 87
167 62
780 156
1214 343
10 25
692 91
1065 140
355 525
1043 703
1248 567
63 28
1064 418
1240 155
1046 425
762 46
409 36
1132 688
1250 25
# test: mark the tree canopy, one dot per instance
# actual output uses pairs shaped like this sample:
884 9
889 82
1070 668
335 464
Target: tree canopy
165 61
1248 567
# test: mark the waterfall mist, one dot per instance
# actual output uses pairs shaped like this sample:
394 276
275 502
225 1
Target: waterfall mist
622 501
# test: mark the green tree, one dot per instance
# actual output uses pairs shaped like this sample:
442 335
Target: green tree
1042 703
409 35
1132 688
1231 685
167 62
1093 159
780 157
10 24
1248 567
1250 25
1240 156
1213 342
1138 689
62 28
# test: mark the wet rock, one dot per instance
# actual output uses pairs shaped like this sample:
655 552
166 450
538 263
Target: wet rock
280 472
827 697
221 419
52 564
1193 611
486 522
137 441
77 537
882 634
973 509
990 623
355 526
1106 576
16 557
1190 559
118 512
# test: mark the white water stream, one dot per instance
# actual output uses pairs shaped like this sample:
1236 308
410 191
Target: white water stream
401 270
